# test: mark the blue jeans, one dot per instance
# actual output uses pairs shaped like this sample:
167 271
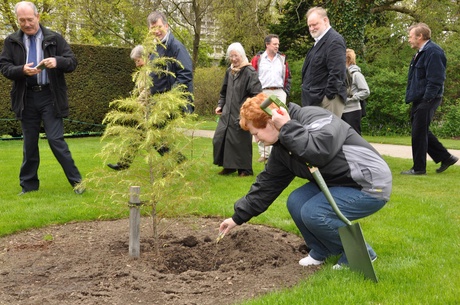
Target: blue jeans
317 221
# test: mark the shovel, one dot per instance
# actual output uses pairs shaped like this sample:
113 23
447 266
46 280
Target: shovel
268 101
351 235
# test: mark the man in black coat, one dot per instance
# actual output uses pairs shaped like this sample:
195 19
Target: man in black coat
35 59
324 68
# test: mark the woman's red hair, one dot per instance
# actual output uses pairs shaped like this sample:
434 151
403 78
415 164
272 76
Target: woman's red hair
251 112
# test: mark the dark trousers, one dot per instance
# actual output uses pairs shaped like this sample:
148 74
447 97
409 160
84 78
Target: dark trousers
353 119
423 140
38 108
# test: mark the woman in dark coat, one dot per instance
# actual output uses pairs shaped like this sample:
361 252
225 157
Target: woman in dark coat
233 145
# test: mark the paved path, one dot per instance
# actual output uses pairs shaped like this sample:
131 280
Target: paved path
399 151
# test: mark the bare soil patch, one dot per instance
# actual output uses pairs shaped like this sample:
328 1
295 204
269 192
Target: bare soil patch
89 263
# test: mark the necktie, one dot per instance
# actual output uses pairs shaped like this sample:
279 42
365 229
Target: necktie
32 80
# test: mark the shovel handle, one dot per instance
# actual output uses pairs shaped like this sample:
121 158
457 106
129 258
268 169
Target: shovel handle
323 186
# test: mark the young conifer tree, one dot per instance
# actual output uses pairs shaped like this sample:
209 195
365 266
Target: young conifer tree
148 130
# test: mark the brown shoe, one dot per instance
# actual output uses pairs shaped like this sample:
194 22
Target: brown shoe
245 173
226 171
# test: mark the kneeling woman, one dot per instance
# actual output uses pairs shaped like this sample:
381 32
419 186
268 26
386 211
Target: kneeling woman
358 178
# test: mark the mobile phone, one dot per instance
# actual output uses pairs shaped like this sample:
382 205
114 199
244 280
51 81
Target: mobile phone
41 67
271 99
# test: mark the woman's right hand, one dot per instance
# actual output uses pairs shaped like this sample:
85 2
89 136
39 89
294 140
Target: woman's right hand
227 225
218 110
280 117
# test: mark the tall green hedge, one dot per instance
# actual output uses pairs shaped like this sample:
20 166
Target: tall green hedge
102 75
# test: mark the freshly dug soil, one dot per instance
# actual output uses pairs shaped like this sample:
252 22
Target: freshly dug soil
89 263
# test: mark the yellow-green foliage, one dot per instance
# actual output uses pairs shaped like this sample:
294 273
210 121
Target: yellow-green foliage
140 126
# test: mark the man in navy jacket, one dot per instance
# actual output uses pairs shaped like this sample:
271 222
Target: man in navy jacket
172 48
181 74
425 87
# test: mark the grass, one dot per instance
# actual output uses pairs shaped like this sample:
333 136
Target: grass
416 235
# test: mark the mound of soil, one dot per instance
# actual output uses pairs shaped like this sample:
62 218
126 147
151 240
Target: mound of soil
89 263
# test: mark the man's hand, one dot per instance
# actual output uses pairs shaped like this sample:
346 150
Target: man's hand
29 70
47 63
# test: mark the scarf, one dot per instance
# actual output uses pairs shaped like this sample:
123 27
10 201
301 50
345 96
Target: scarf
238 69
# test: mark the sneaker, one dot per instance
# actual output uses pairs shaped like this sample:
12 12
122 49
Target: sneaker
445 164
343 261
310 261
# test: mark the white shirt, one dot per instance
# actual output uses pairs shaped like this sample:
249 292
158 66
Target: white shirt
271 71
322 35
42 77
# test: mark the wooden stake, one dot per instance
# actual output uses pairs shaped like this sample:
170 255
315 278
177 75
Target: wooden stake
134 221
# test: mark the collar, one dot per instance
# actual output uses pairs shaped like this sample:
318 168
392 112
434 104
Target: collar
423 46
322 35
265 55
166 38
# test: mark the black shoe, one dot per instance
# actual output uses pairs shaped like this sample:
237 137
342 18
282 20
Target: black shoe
79 191
24 192
181 158
413 172
117 166
226 171
445 164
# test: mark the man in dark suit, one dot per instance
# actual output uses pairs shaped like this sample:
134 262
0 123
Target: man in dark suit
35 59
324 69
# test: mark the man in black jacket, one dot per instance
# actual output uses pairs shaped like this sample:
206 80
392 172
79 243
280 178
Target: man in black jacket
35 59
324 69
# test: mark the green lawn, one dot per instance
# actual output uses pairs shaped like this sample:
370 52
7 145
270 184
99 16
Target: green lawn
416 235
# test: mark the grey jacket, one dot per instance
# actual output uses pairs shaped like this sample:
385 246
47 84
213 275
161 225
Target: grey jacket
319 138
359 90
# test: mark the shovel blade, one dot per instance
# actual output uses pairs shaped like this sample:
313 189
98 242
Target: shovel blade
356 251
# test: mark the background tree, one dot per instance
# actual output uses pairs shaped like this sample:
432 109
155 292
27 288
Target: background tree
292 28
191 15
245 21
